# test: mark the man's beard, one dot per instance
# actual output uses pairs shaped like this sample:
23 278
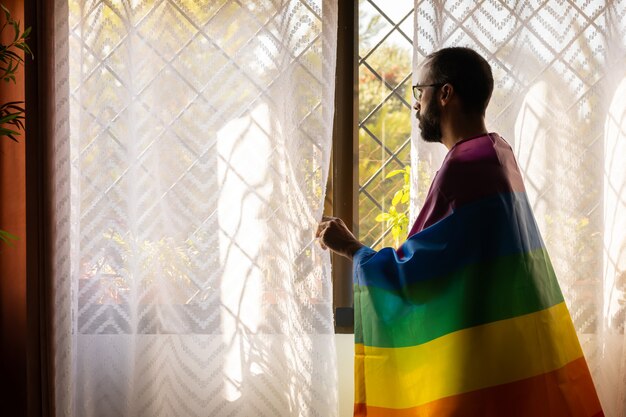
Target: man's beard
430 128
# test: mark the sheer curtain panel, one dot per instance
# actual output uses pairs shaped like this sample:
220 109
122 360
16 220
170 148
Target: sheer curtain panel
560 101
190 160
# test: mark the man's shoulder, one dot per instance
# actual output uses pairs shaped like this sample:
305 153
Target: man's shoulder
480 167
483 149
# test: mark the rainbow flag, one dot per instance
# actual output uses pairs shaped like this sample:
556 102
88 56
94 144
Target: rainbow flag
467 317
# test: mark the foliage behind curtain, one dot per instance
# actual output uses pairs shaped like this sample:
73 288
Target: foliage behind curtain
187 281
559 100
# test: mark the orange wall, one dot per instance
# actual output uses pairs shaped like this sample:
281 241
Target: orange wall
13 259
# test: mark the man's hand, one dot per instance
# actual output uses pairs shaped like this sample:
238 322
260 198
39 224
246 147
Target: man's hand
335 235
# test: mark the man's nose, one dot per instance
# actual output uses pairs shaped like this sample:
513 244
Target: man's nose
416 106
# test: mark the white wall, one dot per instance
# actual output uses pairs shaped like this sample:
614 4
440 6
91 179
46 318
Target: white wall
345 364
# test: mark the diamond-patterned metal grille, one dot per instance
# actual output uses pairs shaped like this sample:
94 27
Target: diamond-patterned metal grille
127 54
385 59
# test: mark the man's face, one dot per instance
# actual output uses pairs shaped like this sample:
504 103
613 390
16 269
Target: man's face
427 109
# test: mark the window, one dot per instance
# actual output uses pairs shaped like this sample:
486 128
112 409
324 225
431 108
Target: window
372 132
384 109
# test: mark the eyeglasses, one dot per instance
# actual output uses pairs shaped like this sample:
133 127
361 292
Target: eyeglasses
417 89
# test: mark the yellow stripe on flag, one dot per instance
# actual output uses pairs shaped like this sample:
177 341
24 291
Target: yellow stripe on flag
466 360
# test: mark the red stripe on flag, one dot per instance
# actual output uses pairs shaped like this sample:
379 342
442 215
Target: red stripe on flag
566 392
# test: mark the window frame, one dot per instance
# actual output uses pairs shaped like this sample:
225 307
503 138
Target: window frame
342 188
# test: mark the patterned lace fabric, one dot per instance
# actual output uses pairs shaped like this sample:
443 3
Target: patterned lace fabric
559 100
191 156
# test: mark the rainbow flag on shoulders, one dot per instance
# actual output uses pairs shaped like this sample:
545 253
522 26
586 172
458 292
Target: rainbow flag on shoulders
467 317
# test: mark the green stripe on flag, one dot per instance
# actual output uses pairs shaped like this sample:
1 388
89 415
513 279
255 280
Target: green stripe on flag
507 287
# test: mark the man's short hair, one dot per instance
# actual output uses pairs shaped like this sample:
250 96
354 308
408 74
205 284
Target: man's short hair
468 72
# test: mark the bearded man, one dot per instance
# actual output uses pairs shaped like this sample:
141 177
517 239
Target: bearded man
467 317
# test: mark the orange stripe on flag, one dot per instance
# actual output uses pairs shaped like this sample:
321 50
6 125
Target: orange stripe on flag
567 392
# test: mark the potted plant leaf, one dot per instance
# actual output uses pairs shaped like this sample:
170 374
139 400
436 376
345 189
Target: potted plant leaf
11 113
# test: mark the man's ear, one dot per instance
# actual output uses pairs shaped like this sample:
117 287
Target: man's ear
447 91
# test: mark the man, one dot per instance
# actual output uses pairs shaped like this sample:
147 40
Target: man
467 317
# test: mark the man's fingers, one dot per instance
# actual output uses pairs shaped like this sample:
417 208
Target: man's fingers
335 220
320 235
324 224
320 228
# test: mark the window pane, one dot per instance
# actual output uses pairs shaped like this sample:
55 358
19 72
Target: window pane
385 55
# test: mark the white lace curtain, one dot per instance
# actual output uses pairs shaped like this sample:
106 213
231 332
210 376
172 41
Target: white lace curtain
560 101
191 154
